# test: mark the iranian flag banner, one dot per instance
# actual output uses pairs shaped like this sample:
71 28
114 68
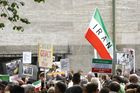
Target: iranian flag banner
98 37
4 77
37 85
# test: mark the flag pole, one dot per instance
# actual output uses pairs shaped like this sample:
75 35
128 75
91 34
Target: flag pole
95 53
114 42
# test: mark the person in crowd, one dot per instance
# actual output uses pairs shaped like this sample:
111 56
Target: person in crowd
105 80
51 90
96 81
17 89
133 82
74 89
28 88
76 79
83 82
90 75
104 90
42 78
50 83
69 79
133 78
60 87
114 87
131 86
120 80
92 88
130 91
2 87
9 87
21 82
138 89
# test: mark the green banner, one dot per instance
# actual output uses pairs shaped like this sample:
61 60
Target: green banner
4 77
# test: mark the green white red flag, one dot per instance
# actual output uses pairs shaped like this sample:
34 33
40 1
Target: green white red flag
98 37
37 85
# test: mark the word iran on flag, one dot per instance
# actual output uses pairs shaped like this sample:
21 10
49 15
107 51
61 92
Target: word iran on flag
98 37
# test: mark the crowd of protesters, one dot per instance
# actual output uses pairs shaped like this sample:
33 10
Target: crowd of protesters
76 83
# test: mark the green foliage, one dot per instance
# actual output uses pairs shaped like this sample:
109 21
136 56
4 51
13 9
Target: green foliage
3 15
2 25
39 1
10 12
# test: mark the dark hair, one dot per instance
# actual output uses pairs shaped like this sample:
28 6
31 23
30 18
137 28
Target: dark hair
119 71
17 89
114 86
118 79
41 74
62 87
104 90
138 89
91 87
74 89
76 78
133 78
132 86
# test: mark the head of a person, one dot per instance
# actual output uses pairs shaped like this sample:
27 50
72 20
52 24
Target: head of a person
41 76
74 89
2 87
76 78
138 89
17 89
50 83
83 82
28 88
9 87
51 90
90 75
130 91
114 86
104 77
133 78
131 86
117 78
60 87
92 88
104 90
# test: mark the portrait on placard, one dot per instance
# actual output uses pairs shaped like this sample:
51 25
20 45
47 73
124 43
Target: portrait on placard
28 70
122 58
12 68
131 55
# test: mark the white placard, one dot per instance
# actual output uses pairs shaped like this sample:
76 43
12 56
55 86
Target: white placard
65 66
131 55
27 57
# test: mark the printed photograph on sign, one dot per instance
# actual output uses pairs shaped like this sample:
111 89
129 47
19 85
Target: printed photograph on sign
12 68
123 58
131 55
28 70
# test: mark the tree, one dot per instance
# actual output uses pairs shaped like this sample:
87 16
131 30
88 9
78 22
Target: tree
9 11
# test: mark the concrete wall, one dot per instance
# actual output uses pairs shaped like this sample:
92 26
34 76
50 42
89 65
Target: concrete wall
64 22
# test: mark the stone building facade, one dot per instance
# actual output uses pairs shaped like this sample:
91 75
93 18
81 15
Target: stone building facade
63 23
